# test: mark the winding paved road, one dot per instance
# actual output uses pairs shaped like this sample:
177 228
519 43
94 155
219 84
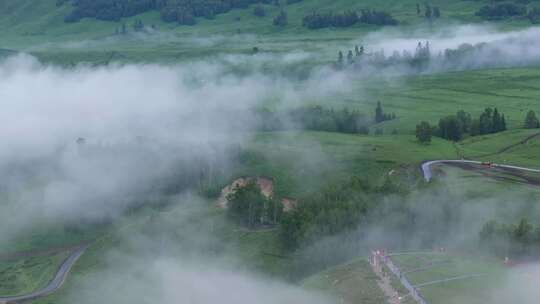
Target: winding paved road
428 175
55 283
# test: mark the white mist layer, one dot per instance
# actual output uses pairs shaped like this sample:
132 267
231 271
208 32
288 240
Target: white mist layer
451 38
136 123
170 281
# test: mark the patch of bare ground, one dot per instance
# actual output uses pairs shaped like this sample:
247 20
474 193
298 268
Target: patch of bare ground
289 204
265 184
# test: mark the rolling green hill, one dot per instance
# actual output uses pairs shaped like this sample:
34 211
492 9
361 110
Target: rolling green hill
38 27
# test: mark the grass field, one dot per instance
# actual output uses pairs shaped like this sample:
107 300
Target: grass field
431 97
505 148
305 161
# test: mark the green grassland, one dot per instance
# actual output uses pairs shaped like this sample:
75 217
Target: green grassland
24 275
305 161
431 97
508 147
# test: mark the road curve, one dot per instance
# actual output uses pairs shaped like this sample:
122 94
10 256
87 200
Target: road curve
55 283
428 175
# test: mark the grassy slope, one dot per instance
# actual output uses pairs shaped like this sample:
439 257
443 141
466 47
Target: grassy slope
525 154
306 161
430 97
28 274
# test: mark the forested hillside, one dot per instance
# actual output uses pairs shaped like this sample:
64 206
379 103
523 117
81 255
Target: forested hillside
185 11
34 17
182 11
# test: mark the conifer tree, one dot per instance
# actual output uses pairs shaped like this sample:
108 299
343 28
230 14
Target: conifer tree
531 121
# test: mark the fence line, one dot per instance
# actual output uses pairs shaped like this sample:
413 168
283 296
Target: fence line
414 293
463 277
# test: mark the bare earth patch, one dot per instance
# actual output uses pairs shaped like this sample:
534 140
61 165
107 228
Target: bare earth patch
266 184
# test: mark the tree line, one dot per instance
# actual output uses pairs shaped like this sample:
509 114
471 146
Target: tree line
531 121
318 20
421 58
534 15
381 116
501 10
430 12
359 57
318 118
180 11
455 127
519 240
506 9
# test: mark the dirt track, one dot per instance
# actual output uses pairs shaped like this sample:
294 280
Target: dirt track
507 148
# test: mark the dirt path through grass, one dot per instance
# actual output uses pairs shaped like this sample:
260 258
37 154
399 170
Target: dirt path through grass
509 147
385 284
